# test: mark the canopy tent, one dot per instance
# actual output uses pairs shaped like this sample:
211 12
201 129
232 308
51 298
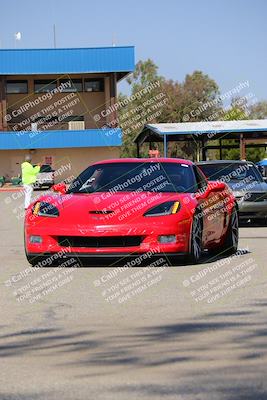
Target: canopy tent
263 163
244 131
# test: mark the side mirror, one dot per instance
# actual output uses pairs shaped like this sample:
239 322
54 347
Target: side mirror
60 187
213 186
216 186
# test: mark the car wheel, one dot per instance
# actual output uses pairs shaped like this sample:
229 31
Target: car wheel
33 260
196 240
230 244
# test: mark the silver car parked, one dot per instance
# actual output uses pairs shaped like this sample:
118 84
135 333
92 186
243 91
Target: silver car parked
45 178
246 182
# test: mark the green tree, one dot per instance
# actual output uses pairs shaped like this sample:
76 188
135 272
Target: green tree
258 110
200 97
195 99
137 111
145 72
252 154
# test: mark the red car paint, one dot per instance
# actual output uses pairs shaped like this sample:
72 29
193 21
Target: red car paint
121 215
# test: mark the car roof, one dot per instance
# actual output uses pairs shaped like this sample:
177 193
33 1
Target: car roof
224 162
146 160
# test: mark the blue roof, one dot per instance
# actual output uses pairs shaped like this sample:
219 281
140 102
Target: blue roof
66 61
60 139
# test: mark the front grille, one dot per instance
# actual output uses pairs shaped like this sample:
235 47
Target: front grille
256 197
248 214
96 242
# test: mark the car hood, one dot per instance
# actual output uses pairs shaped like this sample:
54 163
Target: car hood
107 209
239 186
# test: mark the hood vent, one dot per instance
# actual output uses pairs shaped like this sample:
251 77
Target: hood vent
101 212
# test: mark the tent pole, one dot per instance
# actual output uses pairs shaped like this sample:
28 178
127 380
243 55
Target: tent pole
204 150
220 141
137 150
165 146
242 147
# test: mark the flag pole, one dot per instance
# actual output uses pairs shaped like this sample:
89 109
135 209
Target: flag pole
54 31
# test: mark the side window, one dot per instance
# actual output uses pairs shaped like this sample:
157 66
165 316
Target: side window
201 179
44 85
15 87
94 85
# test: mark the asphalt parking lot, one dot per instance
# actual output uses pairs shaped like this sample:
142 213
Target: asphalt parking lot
190 332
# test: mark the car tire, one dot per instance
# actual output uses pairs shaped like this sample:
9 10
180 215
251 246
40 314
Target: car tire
230 245
33 261
195 245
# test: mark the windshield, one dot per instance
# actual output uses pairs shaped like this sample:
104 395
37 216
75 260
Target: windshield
231 172
129 177
45 168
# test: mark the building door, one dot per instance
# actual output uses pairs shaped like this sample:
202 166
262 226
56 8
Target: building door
16 162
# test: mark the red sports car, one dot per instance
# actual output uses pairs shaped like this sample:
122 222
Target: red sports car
128 207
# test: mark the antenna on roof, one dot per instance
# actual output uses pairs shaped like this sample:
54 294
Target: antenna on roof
54 32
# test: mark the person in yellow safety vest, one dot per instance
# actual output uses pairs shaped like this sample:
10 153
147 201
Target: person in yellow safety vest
29 174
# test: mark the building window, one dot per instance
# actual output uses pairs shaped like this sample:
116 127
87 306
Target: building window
44 86
76 85
94 85
14 87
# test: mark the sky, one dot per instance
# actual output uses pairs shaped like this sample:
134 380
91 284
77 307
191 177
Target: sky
226 39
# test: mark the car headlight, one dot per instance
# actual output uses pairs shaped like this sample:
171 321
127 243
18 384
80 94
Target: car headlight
167 208
43 209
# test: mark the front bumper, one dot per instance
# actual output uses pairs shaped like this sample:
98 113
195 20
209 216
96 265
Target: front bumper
51 242
106 260
252 210
43 183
